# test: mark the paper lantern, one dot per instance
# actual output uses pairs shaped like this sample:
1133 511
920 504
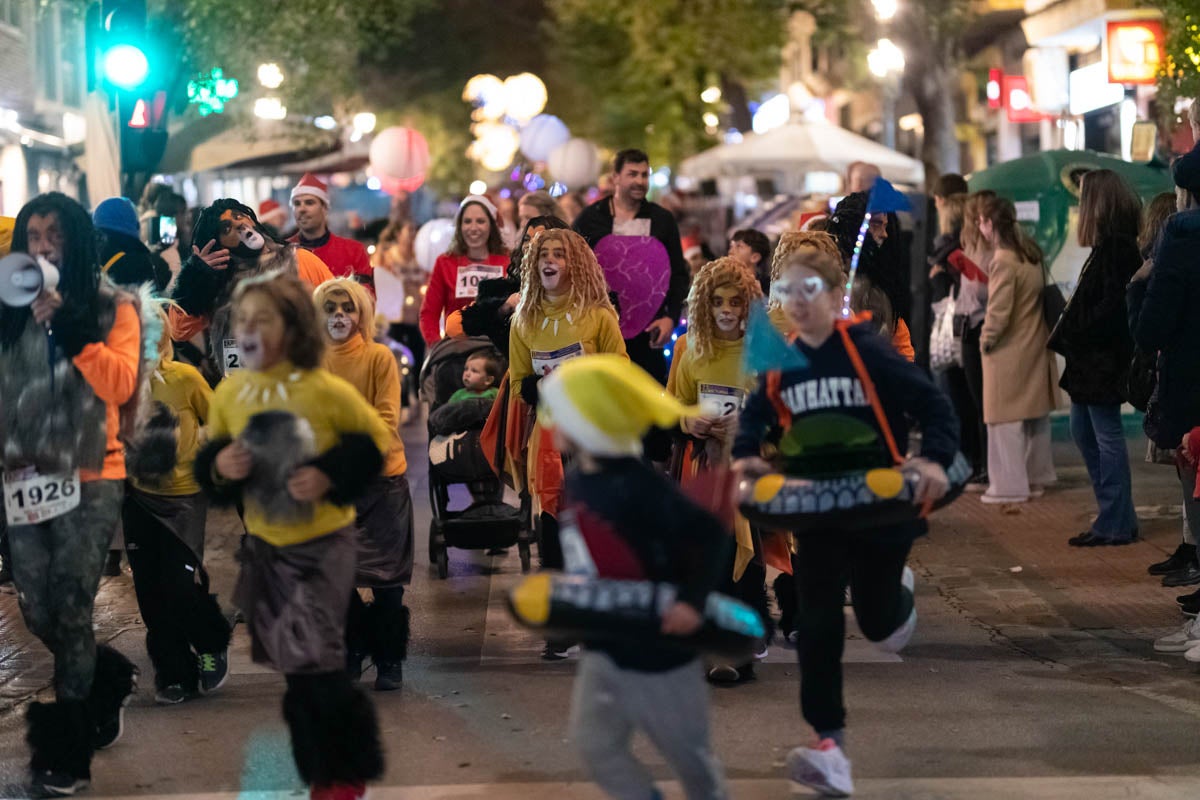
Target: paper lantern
542 135
432 240
524 96
400 153
575 163
395 186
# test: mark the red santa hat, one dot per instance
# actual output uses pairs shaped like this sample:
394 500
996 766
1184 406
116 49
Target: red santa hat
311 185
271 213
691 246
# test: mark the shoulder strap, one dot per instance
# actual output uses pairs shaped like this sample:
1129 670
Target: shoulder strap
108 264
843 327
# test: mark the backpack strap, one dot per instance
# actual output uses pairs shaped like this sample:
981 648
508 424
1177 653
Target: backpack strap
843 328
108 264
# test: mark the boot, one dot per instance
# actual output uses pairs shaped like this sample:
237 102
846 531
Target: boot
60 743
335 736
112 688
389 645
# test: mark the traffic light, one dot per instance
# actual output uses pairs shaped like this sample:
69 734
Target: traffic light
121 58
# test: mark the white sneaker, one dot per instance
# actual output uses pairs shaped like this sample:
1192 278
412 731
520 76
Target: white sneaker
1193 654
907 578
824 768
901 636
996 499
1181 640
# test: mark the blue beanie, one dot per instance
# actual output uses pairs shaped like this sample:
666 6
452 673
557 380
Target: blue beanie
117 214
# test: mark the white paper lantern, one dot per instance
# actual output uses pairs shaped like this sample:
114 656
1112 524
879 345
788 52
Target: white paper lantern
400 153
542 136
432 240
575 163
524 96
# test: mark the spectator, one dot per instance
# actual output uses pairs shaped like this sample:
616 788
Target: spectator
506 216
123 258
1093 335
948 185
860 177
693 253
571 204
1019 375
395 253
272 216
972 266
882 258
753 248
537 204
345 258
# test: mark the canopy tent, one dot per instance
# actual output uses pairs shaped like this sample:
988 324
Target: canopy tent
218 142
785 154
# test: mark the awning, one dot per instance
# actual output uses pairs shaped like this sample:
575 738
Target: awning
217 142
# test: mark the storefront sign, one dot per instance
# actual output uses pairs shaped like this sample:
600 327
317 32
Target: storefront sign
1134 50
1091 89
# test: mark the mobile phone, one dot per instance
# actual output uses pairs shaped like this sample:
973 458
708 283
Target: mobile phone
167 230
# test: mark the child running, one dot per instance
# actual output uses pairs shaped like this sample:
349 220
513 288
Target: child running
385 542
164 516
856 380
299 445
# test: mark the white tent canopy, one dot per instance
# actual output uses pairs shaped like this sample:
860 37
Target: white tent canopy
785 154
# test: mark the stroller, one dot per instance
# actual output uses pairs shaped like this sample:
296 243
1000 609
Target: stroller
456 457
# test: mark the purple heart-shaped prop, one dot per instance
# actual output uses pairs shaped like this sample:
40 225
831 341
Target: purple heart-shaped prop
638 269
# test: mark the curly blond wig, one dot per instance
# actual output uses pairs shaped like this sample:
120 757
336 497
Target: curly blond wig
792 242
586 287
722 273
358 295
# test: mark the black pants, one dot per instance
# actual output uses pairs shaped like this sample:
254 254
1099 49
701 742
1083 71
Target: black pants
751 589
954 382
182 619
823 565
973 370
381 628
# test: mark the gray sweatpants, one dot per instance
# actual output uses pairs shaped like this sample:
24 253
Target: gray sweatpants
56 568
610 703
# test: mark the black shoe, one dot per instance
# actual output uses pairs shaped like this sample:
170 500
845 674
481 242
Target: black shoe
724 673
5 575
171 695
1188 576
1089 539
1184 554
214 670
1191 597
556 651
389 677
1190 609
354 664
112 564
57 783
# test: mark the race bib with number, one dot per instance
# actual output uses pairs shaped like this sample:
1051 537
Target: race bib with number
720 401
231 355
545 362
471 275
30 498
631 227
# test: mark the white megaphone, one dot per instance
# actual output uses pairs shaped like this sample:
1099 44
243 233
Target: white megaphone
22 279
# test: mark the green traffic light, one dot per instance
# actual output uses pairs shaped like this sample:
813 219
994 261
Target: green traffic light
126 66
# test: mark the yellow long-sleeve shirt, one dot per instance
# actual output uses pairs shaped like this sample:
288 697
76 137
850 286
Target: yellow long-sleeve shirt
329 404
713 382
371 368
566 333
181 388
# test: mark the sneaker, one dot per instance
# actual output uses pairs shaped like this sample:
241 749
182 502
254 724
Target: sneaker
112 564
1190 609
171 695
1181 640
978 482
57 783
339 791
1184 554
1188 576
1036 490
354 664
763 652
996 499
1193 654
109 731
901 636
824 768
557 651
1189 598
388 677
214 670
908 578
724 673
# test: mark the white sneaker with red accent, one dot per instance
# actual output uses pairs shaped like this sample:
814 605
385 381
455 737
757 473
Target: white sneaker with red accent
823 768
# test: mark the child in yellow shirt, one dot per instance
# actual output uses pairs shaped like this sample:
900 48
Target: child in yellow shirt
385 515
298 445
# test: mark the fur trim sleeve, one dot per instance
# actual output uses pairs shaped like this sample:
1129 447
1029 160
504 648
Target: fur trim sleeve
221 492
198 286
350 466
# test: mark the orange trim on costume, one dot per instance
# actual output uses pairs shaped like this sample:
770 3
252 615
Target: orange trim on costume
775 397
843 327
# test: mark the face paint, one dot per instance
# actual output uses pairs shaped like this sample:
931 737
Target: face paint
251 345
341 316
252 239
811 287
728 309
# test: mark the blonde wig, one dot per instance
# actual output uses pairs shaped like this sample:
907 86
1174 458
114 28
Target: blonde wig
586 289
792 242
722 273
358 295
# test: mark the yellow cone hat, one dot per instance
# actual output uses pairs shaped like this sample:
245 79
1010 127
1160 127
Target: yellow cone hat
605 404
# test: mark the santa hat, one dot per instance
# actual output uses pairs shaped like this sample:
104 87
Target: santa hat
605 404
271 213
691 246
311 185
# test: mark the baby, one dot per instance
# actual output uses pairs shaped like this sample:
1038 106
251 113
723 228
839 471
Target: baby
481 375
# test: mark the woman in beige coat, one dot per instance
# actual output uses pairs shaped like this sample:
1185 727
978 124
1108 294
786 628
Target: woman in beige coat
1020 378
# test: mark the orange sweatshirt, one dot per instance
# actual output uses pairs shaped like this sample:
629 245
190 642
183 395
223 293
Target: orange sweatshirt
371 369
111 369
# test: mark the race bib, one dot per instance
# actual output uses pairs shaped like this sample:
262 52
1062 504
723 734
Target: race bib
231 356
631 227
470 276
30 498
720 401
546 362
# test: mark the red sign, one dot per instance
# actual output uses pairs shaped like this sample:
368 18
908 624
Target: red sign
141 115
1019 101
1134 50
995 78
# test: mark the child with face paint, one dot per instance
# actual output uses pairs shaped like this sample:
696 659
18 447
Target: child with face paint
299 445
854 379
384 522
564 312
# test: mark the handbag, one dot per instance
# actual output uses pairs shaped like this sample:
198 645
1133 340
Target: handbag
1141 379
945 348
1054 303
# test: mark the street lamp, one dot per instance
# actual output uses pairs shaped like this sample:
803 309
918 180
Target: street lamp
886 62
270 75
885 9
269 108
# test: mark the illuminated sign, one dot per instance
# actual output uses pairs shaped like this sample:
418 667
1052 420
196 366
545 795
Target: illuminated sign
995 76
1134 51
1018 101
1090 89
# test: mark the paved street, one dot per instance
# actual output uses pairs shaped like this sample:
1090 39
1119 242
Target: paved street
1031 675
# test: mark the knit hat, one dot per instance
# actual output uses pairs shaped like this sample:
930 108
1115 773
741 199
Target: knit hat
7 224
311 185
605 404
271 213
117 215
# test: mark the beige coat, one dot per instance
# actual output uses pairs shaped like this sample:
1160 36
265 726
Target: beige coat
1020 376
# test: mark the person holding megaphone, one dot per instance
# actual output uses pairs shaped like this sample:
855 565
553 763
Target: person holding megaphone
70 357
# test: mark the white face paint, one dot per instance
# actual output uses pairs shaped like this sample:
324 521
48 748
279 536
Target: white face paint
340 327
251 345
252 239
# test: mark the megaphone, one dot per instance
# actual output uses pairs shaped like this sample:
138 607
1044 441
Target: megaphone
22 279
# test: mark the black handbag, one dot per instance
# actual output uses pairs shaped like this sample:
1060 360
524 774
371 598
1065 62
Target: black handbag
1141 379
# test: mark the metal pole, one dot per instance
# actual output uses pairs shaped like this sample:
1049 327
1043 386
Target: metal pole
889 113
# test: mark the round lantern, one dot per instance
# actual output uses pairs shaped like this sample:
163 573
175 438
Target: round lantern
542 135
524 96
432 240
400 153
575 163
395 186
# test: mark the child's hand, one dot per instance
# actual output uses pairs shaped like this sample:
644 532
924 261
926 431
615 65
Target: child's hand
234 462
308 485
700 427
681 620
932 483
724 428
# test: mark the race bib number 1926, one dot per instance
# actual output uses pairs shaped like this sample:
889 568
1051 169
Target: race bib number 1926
30 498
231 356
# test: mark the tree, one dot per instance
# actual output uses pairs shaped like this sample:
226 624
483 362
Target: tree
1179 72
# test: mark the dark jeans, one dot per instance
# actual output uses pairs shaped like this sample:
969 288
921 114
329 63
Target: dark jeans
1101 439
953 382
182 618
824 564
973 372
381 628
56 569
751 589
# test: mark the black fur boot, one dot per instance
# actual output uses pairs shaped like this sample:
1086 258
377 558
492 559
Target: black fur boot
60 743
389 644
114 684
335 736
